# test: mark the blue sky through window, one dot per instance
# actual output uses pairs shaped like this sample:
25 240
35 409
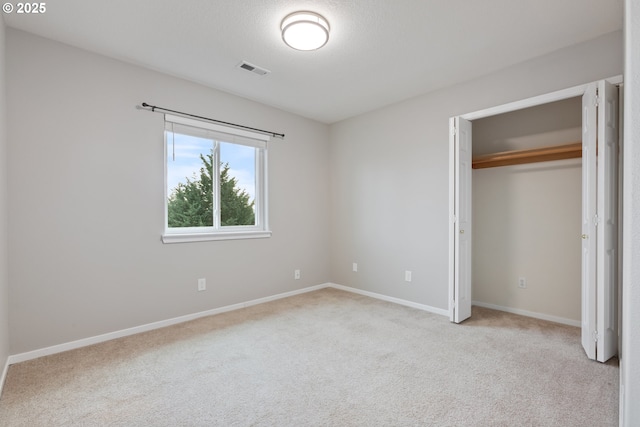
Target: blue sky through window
187 161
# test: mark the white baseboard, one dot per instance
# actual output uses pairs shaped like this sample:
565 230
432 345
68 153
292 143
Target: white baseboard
59 348
533 314
411 304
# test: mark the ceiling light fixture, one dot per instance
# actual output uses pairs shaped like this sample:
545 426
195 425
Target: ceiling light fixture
305 30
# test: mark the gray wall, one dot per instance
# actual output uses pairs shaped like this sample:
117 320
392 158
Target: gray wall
555 123
86 200
4 251
389 180
526 223
630 361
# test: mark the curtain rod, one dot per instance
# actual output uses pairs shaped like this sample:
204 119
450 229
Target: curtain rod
266 132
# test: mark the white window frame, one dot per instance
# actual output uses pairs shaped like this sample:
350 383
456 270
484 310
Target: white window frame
216 232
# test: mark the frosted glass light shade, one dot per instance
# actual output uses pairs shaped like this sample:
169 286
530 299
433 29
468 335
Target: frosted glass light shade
305 30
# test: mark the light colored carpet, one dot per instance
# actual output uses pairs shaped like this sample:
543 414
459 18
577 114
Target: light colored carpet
326 358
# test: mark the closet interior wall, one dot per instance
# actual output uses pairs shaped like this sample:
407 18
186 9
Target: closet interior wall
527 217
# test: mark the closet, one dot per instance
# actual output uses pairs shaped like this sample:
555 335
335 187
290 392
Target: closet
544 210
526 201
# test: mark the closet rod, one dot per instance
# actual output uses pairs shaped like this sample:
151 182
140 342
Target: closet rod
266 132
518 157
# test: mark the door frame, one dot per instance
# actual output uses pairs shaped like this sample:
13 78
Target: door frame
572 92
546 98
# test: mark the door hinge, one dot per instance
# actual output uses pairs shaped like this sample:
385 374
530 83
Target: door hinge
596 101
454 219
596 220
453 130
595 336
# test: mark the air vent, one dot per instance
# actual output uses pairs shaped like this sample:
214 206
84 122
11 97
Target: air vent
253 68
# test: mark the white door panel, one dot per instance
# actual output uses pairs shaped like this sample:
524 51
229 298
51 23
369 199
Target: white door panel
607 251
461 230
453 177
589 206
600 221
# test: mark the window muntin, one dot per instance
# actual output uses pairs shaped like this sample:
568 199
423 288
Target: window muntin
215 182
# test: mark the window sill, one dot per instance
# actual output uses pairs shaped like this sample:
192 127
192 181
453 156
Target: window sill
205 237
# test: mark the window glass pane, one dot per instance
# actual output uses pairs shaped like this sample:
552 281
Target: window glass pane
238 184
189 189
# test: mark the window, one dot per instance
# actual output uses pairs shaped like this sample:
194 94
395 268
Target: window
215 182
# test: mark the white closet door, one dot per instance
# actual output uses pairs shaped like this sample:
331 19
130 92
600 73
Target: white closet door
460 229
607 210
589 206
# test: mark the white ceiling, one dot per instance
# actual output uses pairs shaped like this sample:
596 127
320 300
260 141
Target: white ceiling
379 52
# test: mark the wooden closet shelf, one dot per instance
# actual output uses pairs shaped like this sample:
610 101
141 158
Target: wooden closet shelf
544 154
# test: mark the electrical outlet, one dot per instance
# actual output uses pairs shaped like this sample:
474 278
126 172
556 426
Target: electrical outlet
407 276
296 274
522 282
202 284
355 266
